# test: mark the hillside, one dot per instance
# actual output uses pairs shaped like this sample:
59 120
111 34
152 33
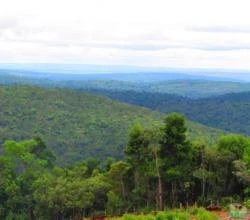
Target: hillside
228 112
76 125
187 88
160 83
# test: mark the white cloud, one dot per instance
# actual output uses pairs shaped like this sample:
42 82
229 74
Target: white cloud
169 33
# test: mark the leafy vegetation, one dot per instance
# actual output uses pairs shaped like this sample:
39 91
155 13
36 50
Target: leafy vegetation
76 125
178 214
229 112
162 169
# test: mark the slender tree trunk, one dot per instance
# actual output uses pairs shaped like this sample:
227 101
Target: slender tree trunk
159 188
203 175
123 189
148 193
32 216
174 197
203 190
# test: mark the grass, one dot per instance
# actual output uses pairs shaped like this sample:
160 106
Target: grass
177 214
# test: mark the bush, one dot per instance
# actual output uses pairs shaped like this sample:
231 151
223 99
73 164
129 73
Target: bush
198 213
173 215
138 217
205 215
247 203
193 210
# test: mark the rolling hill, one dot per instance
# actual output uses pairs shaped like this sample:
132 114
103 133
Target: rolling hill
154 83
230 112
76 125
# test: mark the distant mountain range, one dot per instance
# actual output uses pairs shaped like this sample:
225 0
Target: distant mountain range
156 84
128 73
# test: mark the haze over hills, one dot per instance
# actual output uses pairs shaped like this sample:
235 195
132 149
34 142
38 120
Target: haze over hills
156 91
187 88
127 73
173 83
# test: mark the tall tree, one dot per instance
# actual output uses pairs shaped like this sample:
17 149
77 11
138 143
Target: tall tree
23 163
117 173
154 135
139 155
176 153
230 148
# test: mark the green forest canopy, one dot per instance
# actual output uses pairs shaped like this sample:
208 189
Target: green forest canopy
228 112
74 124
161 169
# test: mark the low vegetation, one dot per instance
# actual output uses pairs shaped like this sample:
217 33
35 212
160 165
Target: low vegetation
178 214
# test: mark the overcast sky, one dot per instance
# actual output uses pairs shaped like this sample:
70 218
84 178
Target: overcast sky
162 33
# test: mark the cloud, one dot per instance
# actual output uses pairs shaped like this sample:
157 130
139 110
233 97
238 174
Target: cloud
6 23
169 33
222 29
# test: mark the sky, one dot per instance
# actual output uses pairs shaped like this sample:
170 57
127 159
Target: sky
155 33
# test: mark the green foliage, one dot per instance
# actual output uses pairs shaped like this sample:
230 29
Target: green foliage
64 190
174 141
227 112
177 155
204 215
175 149
137 150
117 174
234 145
115 203
186 88
75 125
230 149
173 215
200 214
32 187
21 164
247 203
163 167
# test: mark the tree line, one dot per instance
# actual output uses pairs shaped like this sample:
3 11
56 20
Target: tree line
161 169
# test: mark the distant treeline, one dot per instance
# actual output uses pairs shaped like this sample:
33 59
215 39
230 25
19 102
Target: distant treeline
228 112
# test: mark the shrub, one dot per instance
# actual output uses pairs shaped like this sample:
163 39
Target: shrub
205 215
247 203
197 213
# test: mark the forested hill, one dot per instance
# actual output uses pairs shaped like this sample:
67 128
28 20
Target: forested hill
187 88
230 112
74 124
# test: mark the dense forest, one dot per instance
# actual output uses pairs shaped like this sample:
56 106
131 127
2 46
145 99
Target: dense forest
73 152
77 125
193 89
161 169
228 112
220 104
